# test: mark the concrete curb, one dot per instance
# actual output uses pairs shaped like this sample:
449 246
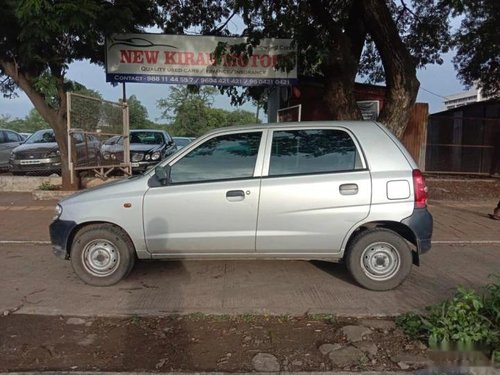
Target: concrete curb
47 195
427 371
26 184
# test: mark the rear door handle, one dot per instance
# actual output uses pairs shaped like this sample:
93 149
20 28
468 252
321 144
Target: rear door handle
348 189
235 195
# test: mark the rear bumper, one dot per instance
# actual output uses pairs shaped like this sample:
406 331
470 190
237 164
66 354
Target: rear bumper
60 231
421 223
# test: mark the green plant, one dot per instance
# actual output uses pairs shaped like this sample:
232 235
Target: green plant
248 318
467 319
458 319
135 320
48 186
327 318
412 325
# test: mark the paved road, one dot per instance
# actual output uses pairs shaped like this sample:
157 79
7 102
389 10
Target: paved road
38 283
466 250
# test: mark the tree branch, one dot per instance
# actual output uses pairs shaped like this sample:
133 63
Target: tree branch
23 80
221 27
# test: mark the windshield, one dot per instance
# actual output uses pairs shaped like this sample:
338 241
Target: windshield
147 138
42 136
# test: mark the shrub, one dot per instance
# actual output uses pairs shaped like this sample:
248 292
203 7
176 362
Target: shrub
48 186
466 320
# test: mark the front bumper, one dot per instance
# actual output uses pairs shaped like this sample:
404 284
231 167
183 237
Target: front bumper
59 231
141 166
421 223
35 165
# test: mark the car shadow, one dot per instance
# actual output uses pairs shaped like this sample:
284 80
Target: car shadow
336 270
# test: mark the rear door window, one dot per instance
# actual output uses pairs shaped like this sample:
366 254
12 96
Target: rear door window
12 137
309 151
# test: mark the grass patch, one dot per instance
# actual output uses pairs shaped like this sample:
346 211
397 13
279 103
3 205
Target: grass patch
47 186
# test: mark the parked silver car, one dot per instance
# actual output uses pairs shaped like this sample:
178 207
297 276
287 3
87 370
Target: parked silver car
338 191
40 153
9 140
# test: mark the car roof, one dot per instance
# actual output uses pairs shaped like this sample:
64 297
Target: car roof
287 125
147 130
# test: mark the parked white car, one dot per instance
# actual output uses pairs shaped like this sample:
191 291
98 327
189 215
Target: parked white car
337 191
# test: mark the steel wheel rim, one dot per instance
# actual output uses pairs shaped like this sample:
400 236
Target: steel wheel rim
380 261
100 258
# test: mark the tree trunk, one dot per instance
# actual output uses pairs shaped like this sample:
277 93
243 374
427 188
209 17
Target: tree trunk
55 118
400 67
342 66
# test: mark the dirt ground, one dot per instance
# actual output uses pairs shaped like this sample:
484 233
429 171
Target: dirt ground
184 343
462 188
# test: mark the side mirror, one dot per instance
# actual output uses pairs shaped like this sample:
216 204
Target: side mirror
163 174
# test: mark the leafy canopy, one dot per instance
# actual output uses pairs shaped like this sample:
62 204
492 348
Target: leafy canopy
189 111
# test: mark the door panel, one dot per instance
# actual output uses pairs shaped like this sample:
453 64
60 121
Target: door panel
211 203
309 213
316 190
201 218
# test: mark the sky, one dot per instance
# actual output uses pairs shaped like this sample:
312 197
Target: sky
438 79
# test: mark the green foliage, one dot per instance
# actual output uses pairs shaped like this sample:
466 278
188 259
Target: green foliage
30 124
48 186
478 47
190 112
467 319
138 114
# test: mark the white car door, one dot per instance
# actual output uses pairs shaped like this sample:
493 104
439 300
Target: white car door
315 190
210 205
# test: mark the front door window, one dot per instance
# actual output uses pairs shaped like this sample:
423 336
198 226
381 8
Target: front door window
226 157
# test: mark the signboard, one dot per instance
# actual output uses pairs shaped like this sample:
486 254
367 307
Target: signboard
369 109
290 114
183 59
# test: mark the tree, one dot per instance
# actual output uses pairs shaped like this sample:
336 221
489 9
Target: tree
40 38
186 109
138 114
478 45
33 122
339 40
190 113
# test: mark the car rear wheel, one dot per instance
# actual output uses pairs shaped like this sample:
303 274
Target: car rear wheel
102 254
379 259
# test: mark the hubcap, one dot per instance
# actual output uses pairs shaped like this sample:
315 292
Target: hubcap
380 261
100 258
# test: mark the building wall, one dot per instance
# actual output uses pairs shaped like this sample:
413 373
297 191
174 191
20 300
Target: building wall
465 139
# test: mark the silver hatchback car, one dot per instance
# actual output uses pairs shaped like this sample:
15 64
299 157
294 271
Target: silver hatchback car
337 191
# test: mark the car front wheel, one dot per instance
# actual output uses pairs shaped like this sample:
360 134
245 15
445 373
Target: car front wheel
379 259
102 254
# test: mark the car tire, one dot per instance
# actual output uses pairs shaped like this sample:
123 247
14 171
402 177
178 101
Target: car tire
379 259
102 254
18 173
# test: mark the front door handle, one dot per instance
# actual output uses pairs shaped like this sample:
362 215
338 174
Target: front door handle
348 189
235 195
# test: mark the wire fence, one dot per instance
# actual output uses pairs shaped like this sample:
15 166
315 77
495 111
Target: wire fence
97 136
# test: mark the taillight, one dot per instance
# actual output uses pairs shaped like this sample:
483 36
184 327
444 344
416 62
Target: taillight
420 189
